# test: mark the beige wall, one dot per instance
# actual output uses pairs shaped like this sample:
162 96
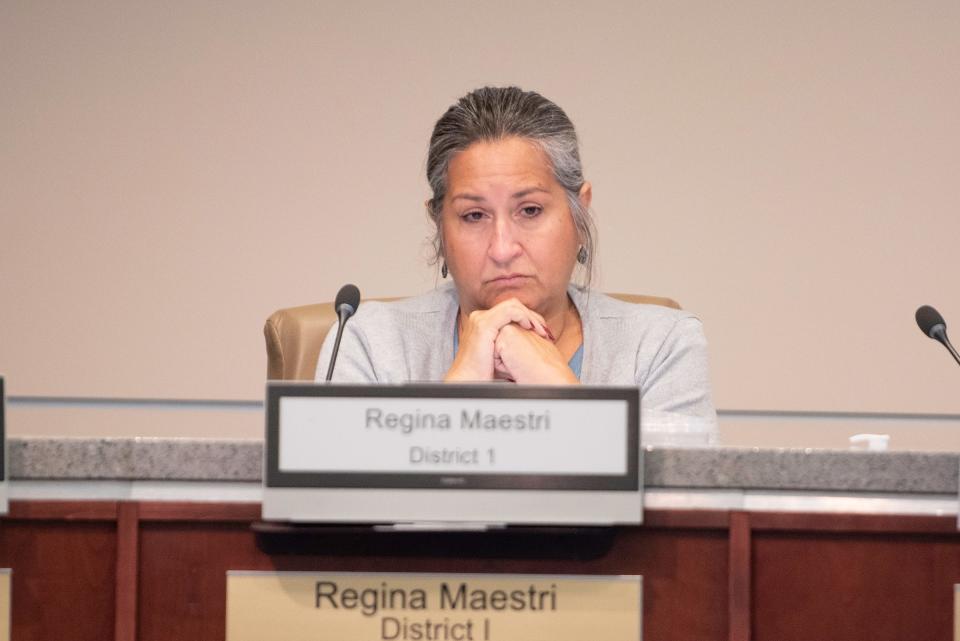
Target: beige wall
173 172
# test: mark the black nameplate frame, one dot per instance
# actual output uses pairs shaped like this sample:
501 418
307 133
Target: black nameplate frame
626 482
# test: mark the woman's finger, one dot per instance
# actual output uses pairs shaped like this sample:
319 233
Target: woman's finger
507 312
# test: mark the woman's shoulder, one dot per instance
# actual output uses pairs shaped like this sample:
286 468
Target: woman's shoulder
434 306
599 306
394 341
434 301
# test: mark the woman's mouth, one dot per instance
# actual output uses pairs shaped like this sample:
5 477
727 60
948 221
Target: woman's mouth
508 280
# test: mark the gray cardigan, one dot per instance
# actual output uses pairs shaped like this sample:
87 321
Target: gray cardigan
662 350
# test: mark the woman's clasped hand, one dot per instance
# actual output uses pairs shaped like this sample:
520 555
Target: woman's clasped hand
508 342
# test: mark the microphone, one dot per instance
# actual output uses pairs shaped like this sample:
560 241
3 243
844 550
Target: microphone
932 324
346 304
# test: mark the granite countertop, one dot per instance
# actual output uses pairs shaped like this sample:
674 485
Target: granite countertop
185 459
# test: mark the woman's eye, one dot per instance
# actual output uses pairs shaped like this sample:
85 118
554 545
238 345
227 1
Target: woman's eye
472 216
531 210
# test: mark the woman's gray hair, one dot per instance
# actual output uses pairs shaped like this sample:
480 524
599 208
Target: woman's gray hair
494 113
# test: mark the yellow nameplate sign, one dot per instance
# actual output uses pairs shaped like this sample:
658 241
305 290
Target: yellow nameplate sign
956 612
303 606
5 575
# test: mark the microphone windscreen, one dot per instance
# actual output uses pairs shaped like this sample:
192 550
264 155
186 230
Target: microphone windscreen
928 318
348 295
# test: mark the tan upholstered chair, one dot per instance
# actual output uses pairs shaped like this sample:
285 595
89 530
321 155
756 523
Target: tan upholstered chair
294 336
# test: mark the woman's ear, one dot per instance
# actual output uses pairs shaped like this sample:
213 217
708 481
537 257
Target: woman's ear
586 195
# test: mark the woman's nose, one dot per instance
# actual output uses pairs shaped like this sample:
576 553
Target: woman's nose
504 244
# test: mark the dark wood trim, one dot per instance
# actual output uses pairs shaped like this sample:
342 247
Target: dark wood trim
128 563
687 519
190 511
854 523
63 510
93 510
740 572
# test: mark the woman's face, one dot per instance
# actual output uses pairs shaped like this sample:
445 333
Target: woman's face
507 227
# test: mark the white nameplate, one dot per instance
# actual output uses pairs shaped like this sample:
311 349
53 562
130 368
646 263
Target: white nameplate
498 454
518 436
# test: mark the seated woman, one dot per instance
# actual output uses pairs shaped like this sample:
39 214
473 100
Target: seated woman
512 216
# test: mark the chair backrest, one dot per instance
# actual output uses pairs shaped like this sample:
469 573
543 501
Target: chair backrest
294 335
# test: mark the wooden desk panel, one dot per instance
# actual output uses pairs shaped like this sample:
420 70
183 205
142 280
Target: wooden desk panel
157 571
183 576
854 586
63 578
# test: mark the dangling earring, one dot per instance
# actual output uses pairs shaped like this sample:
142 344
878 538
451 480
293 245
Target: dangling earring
443 270
582 255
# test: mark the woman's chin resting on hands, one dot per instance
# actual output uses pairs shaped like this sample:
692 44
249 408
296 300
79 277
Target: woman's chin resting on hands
508 342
